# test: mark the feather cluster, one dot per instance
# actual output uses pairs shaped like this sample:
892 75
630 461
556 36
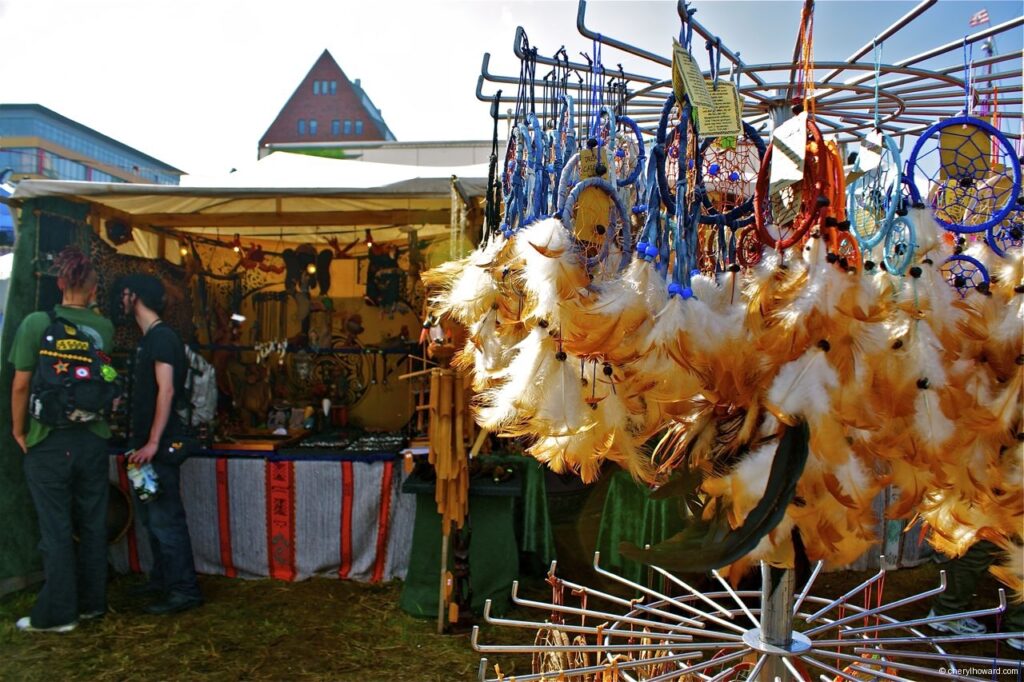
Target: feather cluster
901 381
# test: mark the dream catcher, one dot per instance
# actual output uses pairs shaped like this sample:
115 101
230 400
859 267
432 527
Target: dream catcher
972 176
727 177
875 205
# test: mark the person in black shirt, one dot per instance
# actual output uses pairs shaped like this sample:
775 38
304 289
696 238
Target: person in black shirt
156 436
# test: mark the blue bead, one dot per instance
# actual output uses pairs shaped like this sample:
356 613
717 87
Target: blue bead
620 153
734 176
689 164
713 169
694 272
686 293
641 248
674 289
652 250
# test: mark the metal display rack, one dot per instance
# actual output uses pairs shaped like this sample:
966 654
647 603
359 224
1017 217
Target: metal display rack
912 98
774 634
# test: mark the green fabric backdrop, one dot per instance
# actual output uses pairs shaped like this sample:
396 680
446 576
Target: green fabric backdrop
630 515
19 557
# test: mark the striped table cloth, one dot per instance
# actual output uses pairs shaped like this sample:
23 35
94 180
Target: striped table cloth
287 518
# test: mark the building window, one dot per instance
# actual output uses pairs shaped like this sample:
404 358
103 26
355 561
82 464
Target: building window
316 87
359 127
302 126
334 87
335 127
312 126
348 127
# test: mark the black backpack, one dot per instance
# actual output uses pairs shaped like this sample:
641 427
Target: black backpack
74 382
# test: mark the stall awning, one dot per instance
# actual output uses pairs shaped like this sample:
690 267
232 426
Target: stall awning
303 194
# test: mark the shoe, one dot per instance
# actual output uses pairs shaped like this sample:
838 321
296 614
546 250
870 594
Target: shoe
25 625
960 626
146 589
175 602
1016 643
91 615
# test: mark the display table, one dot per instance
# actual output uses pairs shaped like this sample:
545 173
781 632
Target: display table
493 551
262 514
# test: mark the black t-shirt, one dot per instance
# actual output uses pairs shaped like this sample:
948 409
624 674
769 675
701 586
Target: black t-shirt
160 344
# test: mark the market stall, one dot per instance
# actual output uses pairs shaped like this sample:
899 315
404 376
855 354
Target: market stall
787 296
298 279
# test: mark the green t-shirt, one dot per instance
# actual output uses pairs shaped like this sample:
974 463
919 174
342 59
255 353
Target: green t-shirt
25 353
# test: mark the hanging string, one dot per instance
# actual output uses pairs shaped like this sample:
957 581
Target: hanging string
807 56
586 110
968 84
492 212
596 91
525 95
714 49
878 71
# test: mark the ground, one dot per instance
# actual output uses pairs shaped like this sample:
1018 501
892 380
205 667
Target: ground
320 629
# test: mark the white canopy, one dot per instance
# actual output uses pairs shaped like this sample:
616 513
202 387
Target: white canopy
303 194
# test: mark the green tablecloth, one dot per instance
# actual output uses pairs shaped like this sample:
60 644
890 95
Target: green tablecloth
511 528
629 514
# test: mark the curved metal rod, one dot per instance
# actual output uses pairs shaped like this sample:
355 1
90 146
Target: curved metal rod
807 587
733 57
839 600
893 85
689 670
736 598
575 629
982 660
696 593
881 609
934 619
900 23
548 61
581 26
858 663
651 593
604 615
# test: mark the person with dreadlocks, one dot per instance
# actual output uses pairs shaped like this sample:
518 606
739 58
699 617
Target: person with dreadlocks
66 468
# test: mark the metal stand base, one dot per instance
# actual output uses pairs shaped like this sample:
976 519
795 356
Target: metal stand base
773 634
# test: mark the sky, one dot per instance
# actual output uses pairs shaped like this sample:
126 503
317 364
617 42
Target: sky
196 83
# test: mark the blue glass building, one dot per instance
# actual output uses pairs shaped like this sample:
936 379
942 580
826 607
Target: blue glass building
36 142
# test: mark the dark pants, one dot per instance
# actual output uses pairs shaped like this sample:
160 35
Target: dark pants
67 476
962 579
164 520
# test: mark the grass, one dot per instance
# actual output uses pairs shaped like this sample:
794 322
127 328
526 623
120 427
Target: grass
320 629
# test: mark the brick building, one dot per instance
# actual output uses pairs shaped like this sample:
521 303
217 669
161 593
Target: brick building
325 108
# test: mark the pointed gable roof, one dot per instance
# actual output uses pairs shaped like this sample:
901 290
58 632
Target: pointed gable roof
316 99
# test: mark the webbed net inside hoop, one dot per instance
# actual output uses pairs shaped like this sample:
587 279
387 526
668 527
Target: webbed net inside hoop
729 171
873 197
783 218
966 171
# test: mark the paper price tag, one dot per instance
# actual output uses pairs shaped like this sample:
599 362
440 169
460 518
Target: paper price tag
722 118
686 73
870 156
789 150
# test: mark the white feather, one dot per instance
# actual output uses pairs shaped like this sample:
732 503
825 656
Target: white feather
561 409
522 379
924 354
933 428
801 388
